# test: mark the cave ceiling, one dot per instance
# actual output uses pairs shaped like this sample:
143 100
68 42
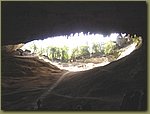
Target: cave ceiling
26 21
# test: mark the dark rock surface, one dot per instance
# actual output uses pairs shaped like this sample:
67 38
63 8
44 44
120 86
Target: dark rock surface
24 79
25 21
103 88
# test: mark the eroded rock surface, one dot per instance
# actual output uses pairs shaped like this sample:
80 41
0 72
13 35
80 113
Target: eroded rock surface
24 79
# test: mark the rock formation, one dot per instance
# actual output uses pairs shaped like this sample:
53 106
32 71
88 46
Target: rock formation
102 88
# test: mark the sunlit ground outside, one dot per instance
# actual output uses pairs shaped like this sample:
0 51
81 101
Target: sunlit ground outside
79 51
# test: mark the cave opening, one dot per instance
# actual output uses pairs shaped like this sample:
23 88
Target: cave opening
80 51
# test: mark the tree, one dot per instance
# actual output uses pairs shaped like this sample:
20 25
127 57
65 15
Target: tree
33 47
84 50
47 51
58 53
109 47
53 50
96 48
41 51
75 53
137 40
65 55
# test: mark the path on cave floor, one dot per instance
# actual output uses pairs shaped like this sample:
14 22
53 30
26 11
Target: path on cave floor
84 97
48 91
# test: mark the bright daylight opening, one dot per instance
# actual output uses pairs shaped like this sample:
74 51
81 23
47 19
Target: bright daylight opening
79 51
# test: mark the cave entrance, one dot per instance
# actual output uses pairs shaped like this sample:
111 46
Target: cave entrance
79 51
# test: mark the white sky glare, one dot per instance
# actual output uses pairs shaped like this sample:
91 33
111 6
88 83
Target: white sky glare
72 41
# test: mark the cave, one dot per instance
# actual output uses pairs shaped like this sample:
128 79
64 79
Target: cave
29 83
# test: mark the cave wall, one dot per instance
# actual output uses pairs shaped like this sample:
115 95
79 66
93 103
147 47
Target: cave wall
26 21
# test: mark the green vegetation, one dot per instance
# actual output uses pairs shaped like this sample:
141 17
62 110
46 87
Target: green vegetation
64 54
110 49
34 47
137 40
96 48
84 51
74 54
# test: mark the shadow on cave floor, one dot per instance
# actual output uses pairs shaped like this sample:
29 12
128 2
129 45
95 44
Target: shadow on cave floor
38 85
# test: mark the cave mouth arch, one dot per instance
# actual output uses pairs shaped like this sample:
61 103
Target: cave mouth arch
79 51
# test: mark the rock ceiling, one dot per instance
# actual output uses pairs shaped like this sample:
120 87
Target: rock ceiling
25 21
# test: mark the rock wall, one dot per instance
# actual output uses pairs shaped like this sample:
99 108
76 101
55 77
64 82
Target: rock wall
25 21
11 48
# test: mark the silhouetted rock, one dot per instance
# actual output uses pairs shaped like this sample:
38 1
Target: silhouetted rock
132 101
